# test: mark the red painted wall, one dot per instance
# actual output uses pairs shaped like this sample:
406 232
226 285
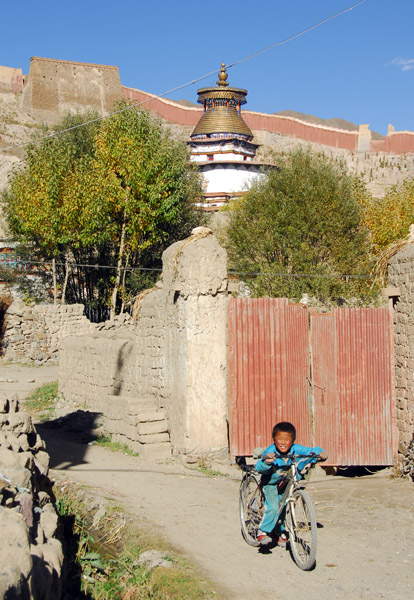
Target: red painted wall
302 130
399 142
164 108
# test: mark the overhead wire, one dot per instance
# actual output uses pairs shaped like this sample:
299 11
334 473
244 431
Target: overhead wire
296 35
192 81
232 272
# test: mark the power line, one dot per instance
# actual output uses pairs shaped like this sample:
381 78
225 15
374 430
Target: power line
159 270
270 274
23 261
193 81
300 33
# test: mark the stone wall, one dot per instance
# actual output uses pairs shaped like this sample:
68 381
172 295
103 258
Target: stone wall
55 87
174 358
11 80
36 332
31 555
401 275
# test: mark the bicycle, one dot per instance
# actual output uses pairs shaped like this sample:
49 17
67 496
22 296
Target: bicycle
300 515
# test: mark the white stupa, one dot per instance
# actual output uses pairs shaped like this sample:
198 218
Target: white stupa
221 144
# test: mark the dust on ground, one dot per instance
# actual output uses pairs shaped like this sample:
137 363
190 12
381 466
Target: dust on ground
365 532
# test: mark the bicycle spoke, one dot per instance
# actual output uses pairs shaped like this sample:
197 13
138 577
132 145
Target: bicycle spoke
302 529
251 509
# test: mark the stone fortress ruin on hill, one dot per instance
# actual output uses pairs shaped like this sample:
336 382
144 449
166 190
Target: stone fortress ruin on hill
54 87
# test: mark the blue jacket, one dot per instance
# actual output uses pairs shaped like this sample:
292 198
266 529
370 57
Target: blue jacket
273 473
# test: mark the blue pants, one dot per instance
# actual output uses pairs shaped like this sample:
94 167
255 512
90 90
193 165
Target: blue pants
271 510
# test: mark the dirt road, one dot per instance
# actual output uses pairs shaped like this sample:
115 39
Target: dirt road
365 539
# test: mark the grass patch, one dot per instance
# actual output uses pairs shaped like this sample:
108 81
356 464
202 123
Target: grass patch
106 442
209 472
204 468
102 562
42 401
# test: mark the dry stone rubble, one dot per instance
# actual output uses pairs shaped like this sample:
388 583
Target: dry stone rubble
31 554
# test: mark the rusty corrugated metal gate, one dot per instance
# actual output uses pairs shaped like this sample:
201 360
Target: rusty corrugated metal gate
331 374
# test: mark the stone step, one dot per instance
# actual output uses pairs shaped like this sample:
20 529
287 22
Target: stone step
150 427
153 438
149 416
160 451
131 401
137 406
155 451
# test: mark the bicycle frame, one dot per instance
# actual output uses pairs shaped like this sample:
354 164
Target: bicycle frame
292 484
300 516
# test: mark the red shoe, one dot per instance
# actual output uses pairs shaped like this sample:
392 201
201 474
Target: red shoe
282 540
263 538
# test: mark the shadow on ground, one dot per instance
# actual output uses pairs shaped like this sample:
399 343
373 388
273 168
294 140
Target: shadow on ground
66 438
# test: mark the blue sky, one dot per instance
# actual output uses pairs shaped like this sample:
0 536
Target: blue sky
359 66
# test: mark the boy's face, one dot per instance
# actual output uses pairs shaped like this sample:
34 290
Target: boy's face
283 441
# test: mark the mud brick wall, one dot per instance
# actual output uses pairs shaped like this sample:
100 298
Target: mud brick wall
55 87
36 332
174 358
401 274
125 362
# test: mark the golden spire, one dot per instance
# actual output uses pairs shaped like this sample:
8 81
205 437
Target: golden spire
222 82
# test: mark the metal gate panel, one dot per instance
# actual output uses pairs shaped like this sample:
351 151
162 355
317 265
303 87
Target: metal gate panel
268 368
353 385
326 424
346 404
366 386
298 401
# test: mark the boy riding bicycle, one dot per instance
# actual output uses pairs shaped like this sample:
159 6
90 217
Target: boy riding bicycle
273 465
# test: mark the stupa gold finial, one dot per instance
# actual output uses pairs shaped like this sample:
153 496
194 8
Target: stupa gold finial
222 82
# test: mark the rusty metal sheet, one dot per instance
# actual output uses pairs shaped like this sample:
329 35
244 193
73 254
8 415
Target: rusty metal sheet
366 386
346 403
326 428
268 370
353 385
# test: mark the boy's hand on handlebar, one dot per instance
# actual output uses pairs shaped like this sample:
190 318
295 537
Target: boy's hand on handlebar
269 457
323 456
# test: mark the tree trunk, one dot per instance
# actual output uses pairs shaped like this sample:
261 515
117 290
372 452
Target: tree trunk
65 282
123 283
118 271
54 281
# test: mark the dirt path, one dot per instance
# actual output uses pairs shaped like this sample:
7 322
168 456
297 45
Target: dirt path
366 546
21 380
365 541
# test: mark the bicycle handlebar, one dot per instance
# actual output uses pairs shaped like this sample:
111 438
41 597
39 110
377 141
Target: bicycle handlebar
241 460
299 456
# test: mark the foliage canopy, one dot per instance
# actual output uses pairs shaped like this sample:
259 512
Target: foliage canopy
390 217
298 230
113 192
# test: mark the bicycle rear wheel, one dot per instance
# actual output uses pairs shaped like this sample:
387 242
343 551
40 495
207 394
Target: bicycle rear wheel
301 524
251 503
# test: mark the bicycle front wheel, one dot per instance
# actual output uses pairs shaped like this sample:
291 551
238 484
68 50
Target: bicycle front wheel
301 524
251 504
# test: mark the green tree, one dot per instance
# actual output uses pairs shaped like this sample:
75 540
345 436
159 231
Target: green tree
108 193
155 183
43 206
389 218
299 230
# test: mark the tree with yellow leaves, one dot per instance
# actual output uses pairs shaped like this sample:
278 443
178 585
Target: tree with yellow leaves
389 218
109 194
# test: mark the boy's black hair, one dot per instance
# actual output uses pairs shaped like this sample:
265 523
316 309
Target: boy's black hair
286 427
